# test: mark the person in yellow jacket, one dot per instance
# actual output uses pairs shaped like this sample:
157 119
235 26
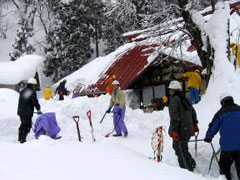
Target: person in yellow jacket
194 81
118 103
47 93
236 52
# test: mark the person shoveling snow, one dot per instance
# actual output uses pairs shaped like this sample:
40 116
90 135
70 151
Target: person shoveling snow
46 124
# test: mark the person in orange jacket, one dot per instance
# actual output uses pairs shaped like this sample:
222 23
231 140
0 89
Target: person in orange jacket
108 84
47 93
194 81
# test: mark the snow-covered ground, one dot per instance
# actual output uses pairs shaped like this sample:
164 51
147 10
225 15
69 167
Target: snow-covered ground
113 158
107 158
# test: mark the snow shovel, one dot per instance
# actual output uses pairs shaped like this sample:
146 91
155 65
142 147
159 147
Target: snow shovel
108 134
76 119
89 115
103 117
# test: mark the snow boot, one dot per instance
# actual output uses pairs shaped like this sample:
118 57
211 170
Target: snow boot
58 137
19 135
23 136
125 134
117 135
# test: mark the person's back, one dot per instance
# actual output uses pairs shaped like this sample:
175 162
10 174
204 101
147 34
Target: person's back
227 121
46 124
194 79
47 93
26 102
61 90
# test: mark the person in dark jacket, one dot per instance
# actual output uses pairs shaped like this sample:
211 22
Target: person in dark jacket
27 102
183 125
158 104
61 90
227 122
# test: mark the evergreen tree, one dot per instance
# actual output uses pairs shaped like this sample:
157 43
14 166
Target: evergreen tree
68 40
94 11
25 32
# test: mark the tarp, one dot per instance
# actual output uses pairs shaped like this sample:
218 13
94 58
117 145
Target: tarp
46 123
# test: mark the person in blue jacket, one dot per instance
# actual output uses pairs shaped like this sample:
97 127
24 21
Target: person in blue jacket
227 122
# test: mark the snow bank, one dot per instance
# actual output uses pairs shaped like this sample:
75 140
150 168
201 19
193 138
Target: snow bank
224 77
67 158
22 69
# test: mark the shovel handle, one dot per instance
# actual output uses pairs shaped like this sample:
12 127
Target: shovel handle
103 118
89 114
76 118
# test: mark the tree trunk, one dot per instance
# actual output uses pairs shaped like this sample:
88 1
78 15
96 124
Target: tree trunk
195 33
213 2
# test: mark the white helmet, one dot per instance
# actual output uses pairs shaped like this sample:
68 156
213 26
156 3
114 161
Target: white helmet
32 81
115 82
225 96
175 85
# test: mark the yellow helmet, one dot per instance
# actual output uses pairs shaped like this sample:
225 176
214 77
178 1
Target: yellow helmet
114 76
164 99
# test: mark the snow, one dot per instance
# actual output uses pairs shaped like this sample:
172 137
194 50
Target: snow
107 158
12 73
113 158
90 73
223 72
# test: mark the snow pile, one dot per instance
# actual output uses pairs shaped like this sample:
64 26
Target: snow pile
67 158
22 69
224 75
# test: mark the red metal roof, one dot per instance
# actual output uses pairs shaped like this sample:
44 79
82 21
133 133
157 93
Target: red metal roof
128 67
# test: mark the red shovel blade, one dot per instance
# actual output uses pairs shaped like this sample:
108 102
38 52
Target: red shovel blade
89 114
107 135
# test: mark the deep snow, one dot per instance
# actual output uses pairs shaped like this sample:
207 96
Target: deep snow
111 158
107 158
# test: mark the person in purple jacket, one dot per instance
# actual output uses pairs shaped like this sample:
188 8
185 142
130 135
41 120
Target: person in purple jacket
46 124
119 108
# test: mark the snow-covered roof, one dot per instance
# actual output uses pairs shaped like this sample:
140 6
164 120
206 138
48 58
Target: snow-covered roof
90 73
22 69
159 39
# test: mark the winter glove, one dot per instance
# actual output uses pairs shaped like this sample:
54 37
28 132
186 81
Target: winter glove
175 136
39 112
196 129
119 112
109 110
207 140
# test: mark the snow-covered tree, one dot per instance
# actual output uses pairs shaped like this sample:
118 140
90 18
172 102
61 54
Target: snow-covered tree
68 39
120 18
22 44
94 14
